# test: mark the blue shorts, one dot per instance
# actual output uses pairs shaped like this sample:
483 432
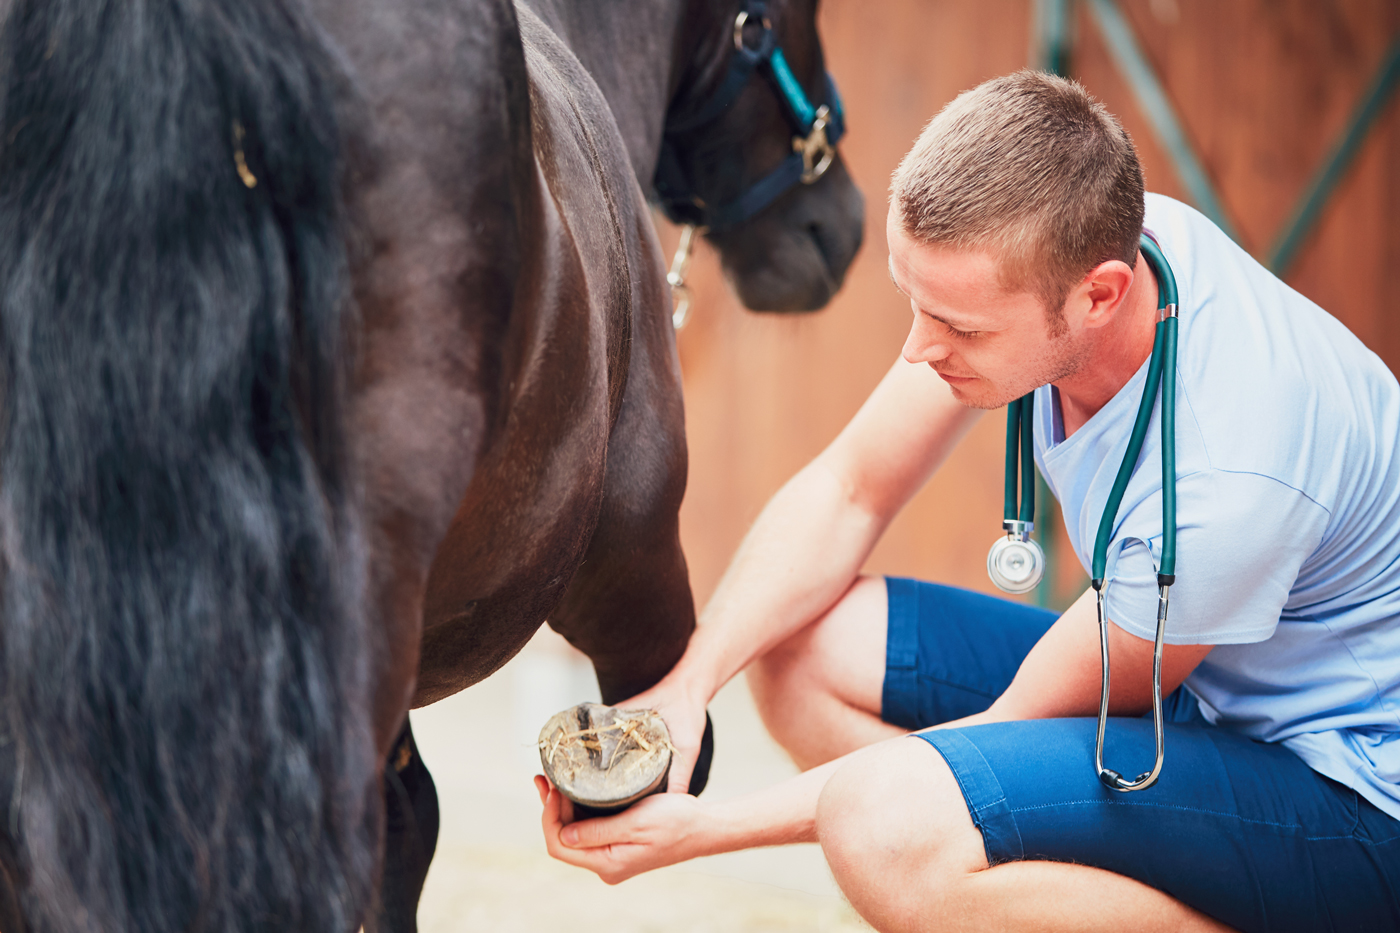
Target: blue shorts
1241 830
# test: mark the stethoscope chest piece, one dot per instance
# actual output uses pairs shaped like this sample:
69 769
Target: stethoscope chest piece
1016 564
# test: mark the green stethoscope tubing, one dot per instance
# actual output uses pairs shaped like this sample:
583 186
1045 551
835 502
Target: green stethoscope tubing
1019 434
1161 375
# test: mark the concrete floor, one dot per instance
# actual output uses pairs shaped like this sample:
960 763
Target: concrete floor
491 872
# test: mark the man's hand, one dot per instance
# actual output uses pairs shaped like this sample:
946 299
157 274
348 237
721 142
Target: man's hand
684 714
657 831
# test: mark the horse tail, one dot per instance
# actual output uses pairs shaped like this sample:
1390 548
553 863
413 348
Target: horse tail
186 691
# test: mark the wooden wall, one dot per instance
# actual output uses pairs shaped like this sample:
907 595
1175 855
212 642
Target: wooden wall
1262 87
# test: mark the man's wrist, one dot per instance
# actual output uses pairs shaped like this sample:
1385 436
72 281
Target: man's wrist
712 832
725 826
697 675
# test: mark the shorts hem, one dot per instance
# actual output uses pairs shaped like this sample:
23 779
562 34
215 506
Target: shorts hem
983 794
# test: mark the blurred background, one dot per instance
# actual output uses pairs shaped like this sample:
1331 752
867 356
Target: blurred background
1278 118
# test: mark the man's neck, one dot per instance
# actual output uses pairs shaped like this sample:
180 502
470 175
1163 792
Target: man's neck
1119 351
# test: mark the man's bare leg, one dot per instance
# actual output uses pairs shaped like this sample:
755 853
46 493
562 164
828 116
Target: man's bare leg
896 832
819 692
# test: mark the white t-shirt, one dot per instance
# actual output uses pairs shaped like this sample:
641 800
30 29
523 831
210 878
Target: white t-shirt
1288 511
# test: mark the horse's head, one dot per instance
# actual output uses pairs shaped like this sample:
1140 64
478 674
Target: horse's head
750 152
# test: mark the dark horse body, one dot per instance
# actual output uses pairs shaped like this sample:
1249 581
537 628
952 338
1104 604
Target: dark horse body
232 563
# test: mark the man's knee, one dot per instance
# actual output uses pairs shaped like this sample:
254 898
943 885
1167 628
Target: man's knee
839 654
893 823
781 680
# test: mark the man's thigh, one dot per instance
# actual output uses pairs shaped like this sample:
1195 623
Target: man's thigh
950 652
1241 830
915 654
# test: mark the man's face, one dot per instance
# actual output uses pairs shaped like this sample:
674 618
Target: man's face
990 345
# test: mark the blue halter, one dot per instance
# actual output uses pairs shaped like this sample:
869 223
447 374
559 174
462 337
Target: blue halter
818 129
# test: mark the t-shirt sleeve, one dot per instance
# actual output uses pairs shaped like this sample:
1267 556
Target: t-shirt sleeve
1241 540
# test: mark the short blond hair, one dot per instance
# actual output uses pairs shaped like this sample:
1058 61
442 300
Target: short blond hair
1033 169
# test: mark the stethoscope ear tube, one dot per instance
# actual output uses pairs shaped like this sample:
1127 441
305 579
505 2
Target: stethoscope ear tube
1107 776
1130 457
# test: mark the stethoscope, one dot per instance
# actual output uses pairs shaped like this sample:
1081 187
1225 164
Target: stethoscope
1016 563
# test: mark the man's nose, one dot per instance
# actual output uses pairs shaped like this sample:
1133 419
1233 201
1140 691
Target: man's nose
923 344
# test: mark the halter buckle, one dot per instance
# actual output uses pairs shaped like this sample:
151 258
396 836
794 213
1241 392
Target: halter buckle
817 152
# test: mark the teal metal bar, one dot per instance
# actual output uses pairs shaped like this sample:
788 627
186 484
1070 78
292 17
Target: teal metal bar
1137 71
1045 532
1051 37
1052 42
1311 204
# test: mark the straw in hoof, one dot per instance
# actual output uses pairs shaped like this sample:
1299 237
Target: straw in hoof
605 758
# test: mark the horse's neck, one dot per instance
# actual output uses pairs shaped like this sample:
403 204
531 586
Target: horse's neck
631 50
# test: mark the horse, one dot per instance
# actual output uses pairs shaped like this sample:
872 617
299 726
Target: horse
335 359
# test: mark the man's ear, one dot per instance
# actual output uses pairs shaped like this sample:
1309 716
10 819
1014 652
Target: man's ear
1101 293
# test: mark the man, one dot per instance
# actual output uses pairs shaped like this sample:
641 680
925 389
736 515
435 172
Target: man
1013 230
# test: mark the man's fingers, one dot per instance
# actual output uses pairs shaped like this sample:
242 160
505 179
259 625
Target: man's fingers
600 831
542 787
551 821
601 860
566 808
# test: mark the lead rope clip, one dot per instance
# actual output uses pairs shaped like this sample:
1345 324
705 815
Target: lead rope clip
680 268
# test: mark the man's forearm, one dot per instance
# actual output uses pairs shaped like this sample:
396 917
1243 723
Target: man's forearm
786 813
782 814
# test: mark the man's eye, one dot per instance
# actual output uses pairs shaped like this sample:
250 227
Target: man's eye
963 333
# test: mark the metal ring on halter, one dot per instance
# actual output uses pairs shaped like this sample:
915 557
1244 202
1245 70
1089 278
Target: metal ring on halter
739 22
1110 778
815 147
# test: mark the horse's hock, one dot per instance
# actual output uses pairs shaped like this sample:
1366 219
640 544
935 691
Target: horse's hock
605 758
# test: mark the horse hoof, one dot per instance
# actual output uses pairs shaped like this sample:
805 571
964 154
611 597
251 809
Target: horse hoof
605 759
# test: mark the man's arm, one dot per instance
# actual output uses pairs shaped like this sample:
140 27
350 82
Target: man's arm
810 541
1060 677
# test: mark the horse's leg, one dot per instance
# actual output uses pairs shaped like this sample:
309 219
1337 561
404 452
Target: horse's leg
629 606
411 834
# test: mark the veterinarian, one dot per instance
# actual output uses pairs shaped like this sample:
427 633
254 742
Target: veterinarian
1014 230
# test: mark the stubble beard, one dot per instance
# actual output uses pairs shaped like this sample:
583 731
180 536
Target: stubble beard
1062 359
